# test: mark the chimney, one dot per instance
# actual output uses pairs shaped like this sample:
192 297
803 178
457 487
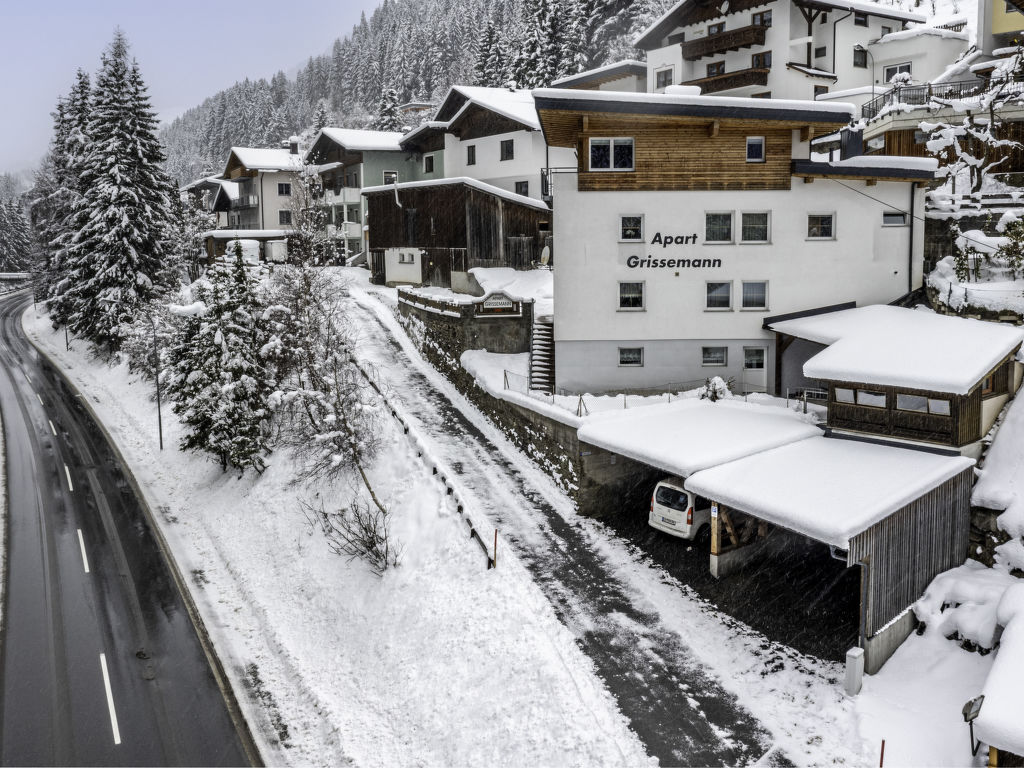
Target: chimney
291 144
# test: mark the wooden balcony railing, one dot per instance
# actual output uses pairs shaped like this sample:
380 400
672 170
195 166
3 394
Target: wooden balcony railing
730 80
730 40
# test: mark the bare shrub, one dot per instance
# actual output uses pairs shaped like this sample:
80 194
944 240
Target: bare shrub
360 530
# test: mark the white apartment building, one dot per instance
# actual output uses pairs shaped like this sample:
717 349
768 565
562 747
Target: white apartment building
690 220
791 49
491 135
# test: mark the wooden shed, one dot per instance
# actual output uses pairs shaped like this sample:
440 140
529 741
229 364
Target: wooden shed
423 232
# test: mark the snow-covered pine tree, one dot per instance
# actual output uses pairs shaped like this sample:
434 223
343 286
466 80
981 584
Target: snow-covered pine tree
115 242
15 238
219 380
322 116
487 69
388 117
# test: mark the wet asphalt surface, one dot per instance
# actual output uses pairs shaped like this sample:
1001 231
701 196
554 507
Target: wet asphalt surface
85 577
681 714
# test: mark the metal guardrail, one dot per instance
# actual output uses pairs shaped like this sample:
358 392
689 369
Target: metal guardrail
920 95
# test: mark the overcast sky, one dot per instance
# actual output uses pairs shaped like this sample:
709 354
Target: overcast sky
187 49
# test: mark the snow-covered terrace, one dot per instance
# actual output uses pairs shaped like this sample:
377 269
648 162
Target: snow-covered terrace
687 436
893 346
1001 722
826 488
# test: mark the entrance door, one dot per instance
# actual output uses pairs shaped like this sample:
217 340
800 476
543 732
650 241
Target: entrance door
755 369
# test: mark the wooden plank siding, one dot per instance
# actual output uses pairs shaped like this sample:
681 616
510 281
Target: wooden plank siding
903 142
907 549
477 122
962 426
684 157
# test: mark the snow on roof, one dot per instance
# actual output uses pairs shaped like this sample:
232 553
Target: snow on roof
894 346
897 162
958 69
687 436
912 32
1001 485
482 186
840 110
826 488
523 285
362 141
515 104
625 64
263 159
812 71
850 5
236 234
428 125
1000 723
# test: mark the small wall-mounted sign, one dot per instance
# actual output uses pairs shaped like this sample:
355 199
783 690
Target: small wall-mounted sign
499 304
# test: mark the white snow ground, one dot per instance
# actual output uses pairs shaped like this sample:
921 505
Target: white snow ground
442 662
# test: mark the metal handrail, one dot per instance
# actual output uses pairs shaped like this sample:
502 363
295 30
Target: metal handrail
919 95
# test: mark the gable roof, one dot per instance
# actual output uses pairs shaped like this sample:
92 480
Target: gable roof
362 141
604 74
651 37
516 104
263 159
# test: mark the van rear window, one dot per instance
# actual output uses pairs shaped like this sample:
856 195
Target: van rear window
671 498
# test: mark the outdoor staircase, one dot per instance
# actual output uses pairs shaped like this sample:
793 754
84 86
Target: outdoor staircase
542 355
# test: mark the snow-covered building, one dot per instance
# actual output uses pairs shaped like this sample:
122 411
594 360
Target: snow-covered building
488 134
628 75
688 220
348 160
999 24
796 49
910 375
215 195
265 179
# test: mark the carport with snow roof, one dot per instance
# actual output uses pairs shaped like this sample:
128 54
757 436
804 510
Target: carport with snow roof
901 515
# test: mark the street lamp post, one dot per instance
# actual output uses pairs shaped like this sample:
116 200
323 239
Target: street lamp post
860 47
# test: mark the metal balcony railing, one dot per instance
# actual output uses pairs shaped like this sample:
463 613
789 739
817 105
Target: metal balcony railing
920 95
730 80
730 40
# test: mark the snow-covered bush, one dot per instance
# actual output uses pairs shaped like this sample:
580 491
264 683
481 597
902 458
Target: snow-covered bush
715 388
358 531
900 79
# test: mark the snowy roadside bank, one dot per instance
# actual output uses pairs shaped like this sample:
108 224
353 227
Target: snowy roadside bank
913 702
439 662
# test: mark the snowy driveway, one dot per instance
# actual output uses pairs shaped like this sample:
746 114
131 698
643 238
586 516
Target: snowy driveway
682 713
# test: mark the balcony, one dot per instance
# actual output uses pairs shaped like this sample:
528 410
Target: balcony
245 201
739 79
730 40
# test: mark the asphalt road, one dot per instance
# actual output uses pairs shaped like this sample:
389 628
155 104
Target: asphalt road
101 662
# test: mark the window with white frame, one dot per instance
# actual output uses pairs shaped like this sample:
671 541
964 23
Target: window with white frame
611 154
755 294
631 357
663 77
631 295
631 228
753 358
755 149
894 219
719 295
718 227
714 356
888 73
821 226
754 227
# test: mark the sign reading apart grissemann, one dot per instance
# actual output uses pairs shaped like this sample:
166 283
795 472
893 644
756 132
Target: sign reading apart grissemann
653 262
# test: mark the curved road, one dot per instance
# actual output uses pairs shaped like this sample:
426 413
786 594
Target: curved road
101 663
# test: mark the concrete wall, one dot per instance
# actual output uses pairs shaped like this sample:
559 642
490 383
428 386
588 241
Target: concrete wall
503 335
879 648
609 482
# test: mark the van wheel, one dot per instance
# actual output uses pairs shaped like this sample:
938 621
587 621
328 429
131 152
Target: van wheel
703 539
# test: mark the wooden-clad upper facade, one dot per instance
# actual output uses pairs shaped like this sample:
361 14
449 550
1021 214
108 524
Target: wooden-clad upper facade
691 144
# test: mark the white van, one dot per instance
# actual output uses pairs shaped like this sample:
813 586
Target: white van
678 512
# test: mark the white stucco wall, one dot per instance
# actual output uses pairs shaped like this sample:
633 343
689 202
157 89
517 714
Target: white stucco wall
530 157
866 262
406 272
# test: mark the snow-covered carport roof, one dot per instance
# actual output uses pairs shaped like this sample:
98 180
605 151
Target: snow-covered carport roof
686 436
899 347
827 488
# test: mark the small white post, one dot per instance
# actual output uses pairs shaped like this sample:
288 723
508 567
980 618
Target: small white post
854 671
